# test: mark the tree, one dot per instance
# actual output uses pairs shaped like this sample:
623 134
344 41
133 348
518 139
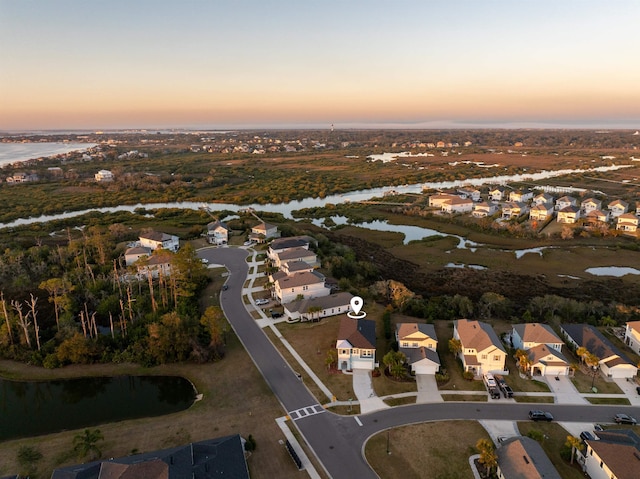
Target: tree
86 443
575 444
581 352
524 363
488 457
395 363
58 289
455 346
331 358
28 456
212 320
314 312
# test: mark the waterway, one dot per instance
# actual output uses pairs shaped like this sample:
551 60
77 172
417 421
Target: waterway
44 407
17 152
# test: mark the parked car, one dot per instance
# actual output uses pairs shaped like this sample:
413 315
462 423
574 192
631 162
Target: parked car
624 419
275 315
225 287
204 261
261 302
494 393
586 436
504 387
248 243
540 416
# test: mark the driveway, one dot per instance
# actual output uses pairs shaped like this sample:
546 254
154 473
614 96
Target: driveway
629 389
363 389
563 389
427 389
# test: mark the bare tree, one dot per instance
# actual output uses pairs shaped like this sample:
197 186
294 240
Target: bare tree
23 321
34 314
6 316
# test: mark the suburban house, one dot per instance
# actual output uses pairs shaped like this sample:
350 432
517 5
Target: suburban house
542 198
156 265
279 245
263 231
292 255
614 455
222 457
470 193
455 204
314 309
632 335
627 222
541 212
513 210
131 255
481 350
568 214
528 335
618 207
156 239
418 342
21 178
565 201
590 204
103 176
296 267
305 284
437 201
613 363
498 193
522 457
597 217
356 344
484 209
547 361
218 233
520 196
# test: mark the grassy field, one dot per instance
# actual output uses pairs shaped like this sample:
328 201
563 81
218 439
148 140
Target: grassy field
441 448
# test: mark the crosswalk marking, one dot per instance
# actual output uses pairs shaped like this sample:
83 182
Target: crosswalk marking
306 411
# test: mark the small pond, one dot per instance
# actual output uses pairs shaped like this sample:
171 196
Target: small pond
612 271
43 407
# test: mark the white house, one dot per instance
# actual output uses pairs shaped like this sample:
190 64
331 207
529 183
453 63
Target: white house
104 176
484 209
498 193
418 342
314 309
565 201
279 245
618 207
468 192
597 216
218 233
131 255
295 254
528 335
590 204
613 456
155 239
356 344
543 198
157 264
437 201
263 231
541 212
519 196
457 205
546 361
512 210
632 335
627 222
568 214
305 284
482 352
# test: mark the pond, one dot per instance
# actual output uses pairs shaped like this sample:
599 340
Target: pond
612 271
43 407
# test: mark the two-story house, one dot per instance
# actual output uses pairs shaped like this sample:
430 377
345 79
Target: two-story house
279 245
627 222
263 231
568 214
527 335
299 286
436 201
541 212
498 193
543 198
481 350
218 233
457 205
520 196
155 239
295 254
418 342
484 209
356 344
590 204
632 335
617 208
103 176
565 201
614 455
513 210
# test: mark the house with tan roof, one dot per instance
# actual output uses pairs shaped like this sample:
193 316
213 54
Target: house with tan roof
218 232
521 457
568 214
295 254
627 222
484 209
590 204
305 285
314 309
436 201
155 239
632 335
263 231
418 342
616 454
513 210
541 212
597 217
542 198
455 204
565 201
612 362
528 335
546 361
482 351
356 344
617 208
498 193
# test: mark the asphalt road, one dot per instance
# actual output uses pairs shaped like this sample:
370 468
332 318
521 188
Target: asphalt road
338 441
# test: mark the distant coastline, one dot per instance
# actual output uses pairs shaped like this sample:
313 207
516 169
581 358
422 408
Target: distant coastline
18 152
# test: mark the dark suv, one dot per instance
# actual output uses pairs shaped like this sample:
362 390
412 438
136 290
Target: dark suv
540 416
624 419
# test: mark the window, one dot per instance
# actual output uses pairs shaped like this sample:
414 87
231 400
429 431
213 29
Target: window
430 346
343 351
366 353
305 288
293 290
415 345
484 356
496 357
600 464
405 344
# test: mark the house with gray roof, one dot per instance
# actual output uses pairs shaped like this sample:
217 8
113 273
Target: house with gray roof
299 286
356 344
218 232
418 342
615 454
523 458
314 309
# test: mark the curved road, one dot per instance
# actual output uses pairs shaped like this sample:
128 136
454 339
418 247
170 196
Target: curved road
338 441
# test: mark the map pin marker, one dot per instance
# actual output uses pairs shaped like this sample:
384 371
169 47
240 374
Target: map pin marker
356 304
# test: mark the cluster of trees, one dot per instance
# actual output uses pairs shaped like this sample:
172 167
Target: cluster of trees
75 302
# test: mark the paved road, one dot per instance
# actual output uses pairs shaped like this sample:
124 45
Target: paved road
337 441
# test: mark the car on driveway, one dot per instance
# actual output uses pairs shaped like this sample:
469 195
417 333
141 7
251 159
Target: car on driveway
540 416
624 419
261 302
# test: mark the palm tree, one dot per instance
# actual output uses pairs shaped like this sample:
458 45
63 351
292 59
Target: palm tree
455 346
575 444
85 443
524 363
581 352
313 310
488 457
395 363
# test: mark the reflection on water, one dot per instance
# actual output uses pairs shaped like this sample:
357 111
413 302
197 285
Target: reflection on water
612 271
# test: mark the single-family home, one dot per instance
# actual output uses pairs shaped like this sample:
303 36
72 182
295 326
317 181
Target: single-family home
295 254
438 200
300 285
632 335
513 210
597 217
520 196
568 214
613 363
565 201
103 176
314 309
263 231
131 255
484 209
546 361
541 212
528 335
279 245
295 267
521 457
590 204
218 233
615 454
457 205
221 457
469 193
618 207
627 222
543 198
155 239
418 342
481 350
498 193
156 265
356 344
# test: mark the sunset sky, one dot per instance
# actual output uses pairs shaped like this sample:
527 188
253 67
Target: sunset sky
99 64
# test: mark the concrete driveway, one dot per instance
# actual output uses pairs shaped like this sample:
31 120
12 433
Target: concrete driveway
427 389
563 390
629 389
363 389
